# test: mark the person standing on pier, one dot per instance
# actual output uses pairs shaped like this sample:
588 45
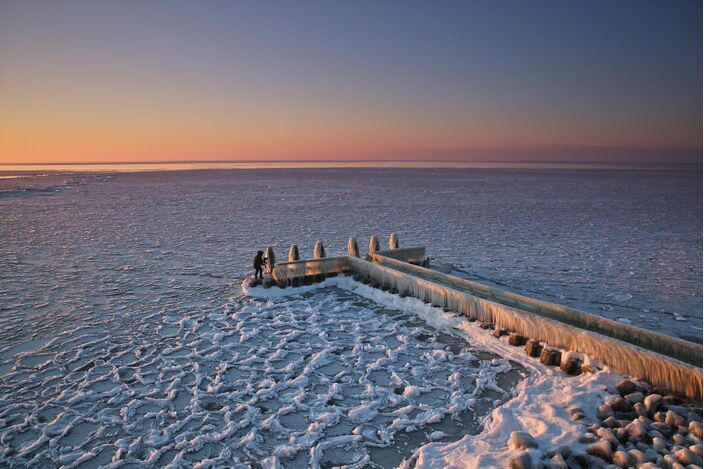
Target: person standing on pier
258 262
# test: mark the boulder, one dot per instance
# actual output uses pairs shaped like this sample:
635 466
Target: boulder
498 332
695 428
687 457
521 460
622 459
601 449
620 404
558 462
521 440
516 340
571 366
652 403
550 357
607 435
533 348
674 419
663 428
659 445
638 456
637 430
696 449
626 386
604 411
634 397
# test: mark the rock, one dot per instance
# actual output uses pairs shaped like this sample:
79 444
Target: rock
637 430
608 435
516 340
659 417
601 449
645 420
498 332
638 456
577 416
652 403
604 411
587 438
486 326
695 428
639 409
670 399
674 419
534 348
687 457
574 410
611 422
520 461
659 445
679 439
626 386
564 451
622 459
558 462
521 440
581 458
694 417
672 462
662 428
634 397
621 434
550 357
682 410
696 449
648 465
620 404
571 366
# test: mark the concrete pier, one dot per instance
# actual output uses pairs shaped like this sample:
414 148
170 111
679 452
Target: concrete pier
672 364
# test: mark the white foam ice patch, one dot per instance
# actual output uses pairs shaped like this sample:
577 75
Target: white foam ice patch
539 406
322 377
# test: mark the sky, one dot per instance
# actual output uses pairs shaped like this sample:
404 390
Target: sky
169 80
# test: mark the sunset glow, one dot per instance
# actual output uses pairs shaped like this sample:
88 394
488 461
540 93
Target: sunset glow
172 81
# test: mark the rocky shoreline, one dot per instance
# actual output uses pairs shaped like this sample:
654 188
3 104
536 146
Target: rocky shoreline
636 428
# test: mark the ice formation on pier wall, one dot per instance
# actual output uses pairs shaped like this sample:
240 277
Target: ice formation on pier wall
670 374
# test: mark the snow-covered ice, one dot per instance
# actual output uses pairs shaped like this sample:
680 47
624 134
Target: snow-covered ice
125 338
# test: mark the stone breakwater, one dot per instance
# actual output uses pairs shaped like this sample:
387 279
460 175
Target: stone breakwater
636 428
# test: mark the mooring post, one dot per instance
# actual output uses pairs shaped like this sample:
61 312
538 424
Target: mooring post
293 253
352 248
270 259
318 250
374 244
393 241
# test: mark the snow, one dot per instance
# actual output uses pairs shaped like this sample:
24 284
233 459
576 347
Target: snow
124 338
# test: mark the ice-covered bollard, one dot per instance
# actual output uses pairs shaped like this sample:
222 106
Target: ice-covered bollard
352 248
270 259
293 254
318 250
393 241
374 244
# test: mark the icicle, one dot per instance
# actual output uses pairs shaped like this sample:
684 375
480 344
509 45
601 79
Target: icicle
393 241
660 370
270 259
373 244
352 248
293 253
319 250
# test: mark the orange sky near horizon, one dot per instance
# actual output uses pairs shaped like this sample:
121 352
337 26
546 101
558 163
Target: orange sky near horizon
168 81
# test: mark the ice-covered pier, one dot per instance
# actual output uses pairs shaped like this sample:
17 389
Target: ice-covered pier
557 334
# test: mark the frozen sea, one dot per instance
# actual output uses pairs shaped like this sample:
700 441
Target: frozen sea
124 338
